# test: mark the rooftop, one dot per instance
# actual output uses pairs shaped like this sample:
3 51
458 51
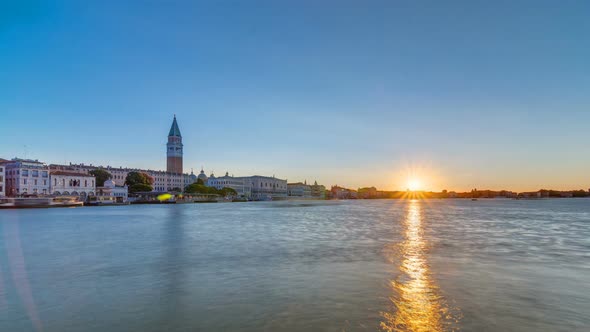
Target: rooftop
174 130
70 173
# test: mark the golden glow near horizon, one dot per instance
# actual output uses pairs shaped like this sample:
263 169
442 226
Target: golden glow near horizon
416 303
414 184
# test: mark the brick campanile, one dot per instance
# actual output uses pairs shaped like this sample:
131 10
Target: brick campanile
174 149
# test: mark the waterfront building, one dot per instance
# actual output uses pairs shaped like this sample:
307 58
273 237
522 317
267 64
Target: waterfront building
343 193
299 190
174 149
267 188
110 189
257 187
2 185
24 177
242 185
68 183
318 190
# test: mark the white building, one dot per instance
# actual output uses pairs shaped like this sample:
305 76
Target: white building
25 177
70 183
267 188
110 189
241 185
2 184
299 190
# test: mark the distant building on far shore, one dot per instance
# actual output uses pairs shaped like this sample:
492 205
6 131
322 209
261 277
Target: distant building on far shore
2 177
299 190
318 191
338 192
268 188
258 188
241 185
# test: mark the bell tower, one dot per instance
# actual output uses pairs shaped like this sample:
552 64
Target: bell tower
174 149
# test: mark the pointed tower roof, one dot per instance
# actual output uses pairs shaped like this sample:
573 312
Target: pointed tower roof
174 130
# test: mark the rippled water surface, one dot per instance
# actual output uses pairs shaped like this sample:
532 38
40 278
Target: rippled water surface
432 265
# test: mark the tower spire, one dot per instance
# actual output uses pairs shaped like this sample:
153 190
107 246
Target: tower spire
174 149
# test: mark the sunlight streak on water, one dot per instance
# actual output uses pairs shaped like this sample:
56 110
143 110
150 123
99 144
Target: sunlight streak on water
417 305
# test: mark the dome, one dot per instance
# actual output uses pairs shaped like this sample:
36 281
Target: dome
109 183
202 175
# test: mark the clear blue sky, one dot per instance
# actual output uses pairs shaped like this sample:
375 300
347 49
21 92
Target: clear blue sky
486 94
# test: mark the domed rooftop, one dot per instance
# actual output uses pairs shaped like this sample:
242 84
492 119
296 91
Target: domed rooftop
202 175
109 183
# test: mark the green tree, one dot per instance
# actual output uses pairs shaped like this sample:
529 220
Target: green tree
101 176
139 181
138 178
225 191
197 188
200 181
139 187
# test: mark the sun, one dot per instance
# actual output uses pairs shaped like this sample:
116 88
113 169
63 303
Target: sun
414 184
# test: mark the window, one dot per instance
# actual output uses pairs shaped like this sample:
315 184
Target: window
35 174
44 174
44 183
24 181
35 182
25 172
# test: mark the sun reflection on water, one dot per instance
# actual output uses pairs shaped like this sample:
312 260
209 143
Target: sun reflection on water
417 304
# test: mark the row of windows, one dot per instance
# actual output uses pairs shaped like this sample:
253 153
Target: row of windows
35 191
34 173
71 182
35 183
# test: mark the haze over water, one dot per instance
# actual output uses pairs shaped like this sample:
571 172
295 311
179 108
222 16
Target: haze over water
395 265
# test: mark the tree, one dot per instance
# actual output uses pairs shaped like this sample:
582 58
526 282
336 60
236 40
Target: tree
139 181
138 178
197 188
200 181
101 176
226 191
139 187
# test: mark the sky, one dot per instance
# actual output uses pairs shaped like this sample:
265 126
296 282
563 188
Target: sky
456 94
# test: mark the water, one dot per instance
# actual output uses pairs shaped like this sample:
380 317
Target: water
433 265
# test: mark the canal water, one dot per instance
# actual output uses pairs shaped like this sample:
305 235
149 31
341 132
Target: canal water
372 265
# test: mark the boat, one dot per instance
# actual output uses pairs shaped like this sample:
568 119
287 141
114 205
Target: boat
474 199
39 202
